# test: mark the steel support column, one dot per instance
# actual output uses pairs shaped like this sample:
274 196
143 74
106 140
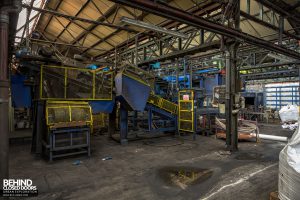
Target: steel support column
231 112
228 99
234 78
191 76
202 36
112 122
177 75
136 50
235 81
4 91
299 85
231 91
123 125
281 29
135 119
116 60
150 119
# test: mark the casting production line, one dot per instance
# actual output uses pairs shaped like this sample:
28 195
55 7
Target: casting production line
128 97
146 99
69 96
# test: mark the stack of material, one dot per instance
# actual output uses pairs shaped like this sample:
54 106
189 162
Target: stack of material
289 169
289 116
246 129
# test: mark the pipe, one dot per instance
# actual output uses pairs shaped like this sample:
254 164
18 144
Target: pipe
4 88
273 137
187 18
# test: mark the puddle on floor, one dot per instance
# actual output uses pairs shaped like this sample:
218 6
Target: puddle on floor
183 177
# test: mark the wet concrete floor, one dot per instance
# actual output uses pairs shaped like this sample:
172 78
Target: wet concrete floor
158 168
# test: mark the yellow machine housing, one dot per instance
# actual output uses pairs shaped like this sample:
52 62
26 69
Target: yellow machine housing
59 83
163 103
186 111
68 114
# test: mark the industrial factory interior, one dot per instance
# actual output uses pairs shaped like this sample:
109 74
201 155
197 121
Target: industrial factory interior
149 99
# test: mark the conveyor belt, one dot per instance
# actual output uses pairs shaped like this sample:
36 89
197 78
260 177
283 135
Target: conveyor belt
162 104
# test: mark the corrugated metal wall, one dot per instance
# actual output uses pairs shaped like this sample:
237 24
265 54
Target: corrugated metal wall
281 94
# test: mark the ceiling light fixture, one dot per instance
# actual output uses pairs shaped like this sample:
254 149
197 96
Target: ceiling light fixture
153 27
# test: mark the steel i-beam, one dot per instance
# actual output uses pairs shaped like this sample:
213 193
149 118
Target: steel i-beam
169 12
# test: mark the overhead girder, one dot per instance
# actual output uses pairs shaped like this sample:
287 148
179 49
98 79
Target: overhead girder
187 18
268 25
59 14
271 74
205 8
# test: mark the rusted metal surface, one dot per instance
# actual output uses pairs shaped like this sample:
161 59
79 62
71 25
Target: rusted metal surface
4 89
68 125
241 136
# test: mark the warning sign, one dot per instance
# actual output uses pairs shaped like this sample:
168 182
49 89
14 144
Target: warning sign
186 97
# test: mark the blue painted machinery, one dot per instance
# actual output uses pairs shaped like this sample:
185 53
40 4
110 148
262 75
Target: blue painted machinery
254 104
134 94
62 113
253 100
61 128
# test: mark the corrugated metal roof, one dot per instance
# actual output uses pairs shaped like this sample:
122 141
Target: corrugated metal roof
103 37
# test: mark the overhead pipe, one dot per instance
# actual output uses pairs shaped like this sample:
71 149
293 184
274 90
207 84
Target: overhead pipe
169 12
4 86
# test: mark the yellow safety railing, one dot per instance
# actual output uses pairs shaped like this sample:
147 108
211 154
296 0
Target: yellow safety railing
139 75
162 103
71 83
186 110
68 111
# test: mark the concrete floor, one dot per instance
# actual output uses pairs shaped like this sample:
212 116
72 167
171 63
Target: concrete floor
138 170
